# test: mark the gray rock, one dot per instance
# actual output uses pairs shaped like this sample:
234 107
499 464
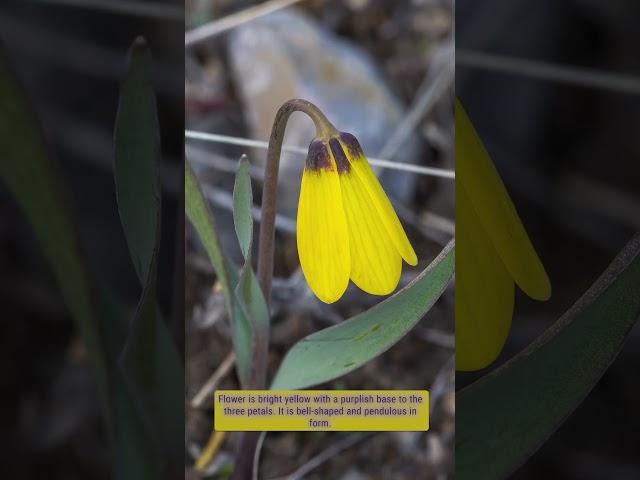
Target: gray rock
287 55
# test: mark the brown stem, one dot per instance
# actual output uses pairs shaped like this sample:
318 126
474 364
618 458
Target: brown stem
244 461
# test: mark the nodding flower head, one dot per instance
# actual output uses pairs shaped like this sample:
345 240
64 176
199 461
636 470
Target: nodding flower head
347 227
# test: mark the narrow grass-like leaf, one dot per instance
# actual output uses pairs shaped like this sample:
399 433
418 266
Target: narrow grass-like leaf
242 205
198 212
248 292
242 336
337 350
150 361
251 321
252 312
33 179
503 418
137 153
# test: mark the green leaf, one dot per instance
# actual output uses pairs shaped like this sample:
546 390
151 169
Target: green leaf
242 335
251 310
503 418
250 294
335 351
137 153
136 451
251 320
198 212
242 205
34 180
150 362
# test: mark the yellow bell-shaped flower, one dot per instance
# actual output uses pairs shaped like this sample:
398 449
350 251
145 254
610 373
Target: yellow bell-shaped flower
347 227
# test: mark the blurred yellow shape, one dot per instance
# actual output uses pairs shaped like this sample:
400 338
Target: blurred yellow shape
210 450
493 251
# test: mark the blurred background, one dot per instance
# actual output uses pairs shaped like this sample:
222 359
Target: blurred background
553 89
383 71
70 57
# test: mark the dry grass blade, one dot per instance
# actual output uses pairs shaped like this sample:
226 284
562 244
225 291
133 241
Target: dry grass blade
428 95
546 71
213 381
125 7
325 455
376 162
224 200
209 30
210 450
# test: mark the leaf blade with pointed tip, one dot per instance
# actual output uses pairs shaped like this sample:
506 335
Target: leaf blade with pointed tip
199 214
337 350
250 320
242 205
504 417
150 362
137 154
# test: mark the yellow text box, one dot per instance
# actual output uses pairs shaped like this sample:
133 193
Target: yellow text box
321 410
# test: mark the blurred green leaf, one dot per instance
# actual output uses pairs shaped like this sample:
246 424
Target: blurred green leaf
335 351
151 364
503 418
155 374
242 205
137 455
137 153
34 180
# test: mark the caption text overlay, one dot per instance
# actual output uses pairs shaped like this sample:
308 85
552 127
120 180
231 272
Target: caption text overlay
324 410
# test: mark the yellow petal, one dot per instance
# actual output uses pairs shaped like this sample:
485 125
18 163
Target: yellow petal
360 166
375 261
323 242
495 211
484 291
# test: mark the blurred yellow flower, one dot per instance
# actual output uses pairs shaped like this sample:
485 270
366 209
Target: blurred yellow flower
493 251
346 225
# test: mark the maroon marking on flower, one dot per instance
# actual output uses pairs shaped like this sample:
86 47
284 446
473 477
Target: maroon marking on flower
318 156
353 147
341 160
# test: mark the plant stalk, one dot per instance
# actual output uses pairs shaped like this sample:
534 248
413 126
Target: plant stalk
270 186
246 453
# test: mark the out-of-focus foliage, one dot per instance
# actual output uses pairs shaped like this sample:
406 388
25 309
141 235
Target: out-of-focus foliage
503 418
139 374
